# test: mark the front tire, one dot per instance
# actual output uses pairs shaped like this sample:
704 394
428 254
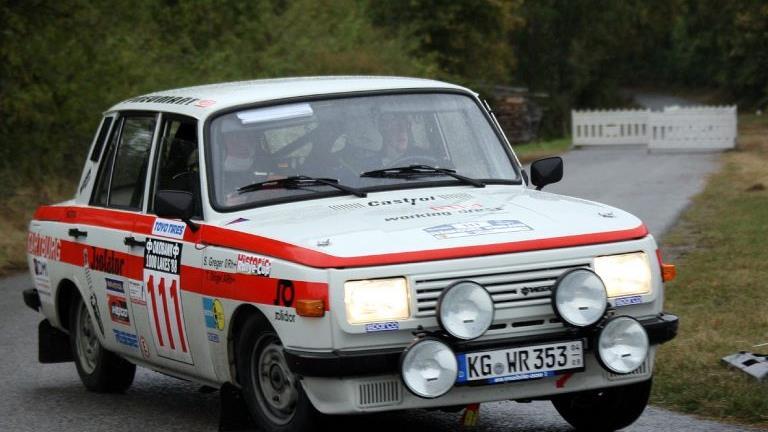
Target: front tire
100 370
606 409
274 396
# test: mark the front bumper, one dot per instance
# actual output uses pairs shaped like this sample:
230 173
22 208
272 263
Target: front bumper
661 328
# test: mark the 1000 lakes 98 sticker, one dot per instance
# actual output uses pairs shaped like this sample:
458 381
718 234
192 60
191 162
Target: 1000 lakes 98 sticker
162 264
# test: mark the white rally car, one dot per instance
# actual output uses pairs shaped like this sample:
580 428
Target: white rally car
342 245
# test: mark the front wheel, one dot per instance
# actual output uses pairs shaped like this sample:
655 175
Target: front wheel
606 409
272 392
100 370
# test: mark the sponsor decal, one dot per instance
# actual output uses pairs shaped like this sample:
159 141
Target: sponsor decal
44 246
472 229
349 206
379 327
144 348
173 100
92 293
105 260
213 337
162 291
214 263
162 256
236 221
411 201
443 212
125 338
115 286
118 309
219 277
417 216
285 292
169 228
136 293
85 180
456 207
42 280
533 290
205 103
285 316
213 311
627 301
254 265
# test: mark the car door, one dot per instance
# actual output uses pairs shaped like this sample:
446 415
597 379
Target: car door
171 256
111 267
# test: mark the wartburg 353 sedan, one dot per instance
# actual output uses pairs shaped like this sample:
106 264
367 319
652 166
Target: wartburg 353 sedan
342 245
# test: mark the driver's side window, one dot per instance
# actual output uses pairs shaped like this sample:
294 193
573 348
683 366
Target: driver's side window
177 160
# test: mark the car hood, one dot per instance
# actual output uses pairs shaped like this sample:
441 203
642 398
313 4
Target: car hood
437 220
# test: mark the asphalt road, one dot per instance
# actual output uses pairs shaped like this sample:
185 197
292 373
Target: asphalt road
655 187
38 397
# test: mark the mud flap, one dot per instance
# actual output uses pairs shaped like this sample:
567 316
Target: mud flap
234 414
53 344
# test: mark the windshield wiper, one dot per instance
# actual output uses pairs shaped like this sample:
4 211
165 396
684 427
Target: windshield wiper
421 170
301 181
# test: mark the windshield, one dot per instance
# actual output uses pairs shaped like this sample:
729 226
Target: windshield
343 138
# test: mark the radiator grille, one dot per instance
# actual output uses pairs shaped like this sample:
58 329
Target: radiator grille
379 393
507 288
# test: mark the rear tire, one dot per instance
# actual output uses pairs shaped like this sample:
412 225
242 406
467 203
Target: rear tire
606 409
100 370
274 396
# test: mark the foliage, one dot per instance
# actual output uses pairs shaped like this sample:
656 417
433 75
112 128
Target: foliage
66 62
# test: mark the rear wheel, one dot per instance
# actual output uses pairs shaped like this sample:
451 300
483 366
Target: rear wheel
606 409
272 392
100 370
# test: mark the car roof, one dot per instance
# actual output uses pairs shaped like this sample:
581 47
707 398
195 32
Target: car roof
202 101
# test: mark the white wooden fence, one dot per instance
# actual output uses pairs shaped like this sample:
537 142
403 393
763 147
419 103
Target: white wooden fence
675 128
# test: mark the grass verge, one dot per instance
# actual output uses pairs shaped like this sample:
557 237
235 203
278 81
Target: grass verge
720 247
529 152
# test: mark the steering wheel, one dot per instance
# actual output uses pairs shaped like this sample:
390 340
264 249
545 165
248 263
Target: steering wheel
409 160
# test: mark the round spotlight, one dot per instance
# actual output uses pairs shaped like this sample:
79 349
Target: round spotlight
579 297
465 310
429 368
622 345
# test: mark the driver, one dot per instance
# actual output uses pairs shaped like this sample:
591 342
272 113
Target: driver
395 138
243 157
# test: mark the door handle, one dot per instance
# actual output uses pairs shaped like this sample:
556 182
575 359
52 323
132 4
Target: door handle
74 232
132 242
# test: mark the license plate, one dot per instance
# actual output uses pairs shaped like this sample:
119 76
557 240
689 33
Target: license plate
520 363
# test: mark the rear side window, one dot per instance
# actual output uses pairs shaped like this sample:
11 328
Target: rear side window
124 171
96 153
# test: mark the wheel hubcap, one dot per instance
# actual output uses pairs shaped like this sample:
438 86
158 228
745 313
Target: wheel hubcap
276 387
87 342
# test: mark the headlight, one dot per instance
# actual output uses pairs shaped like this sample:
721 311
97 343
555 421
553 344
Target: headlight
622 345
376 300
624 275
579 297
465 310
429 368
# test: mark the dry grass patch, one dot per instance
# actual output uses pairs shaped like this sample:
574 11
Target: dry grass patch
17 210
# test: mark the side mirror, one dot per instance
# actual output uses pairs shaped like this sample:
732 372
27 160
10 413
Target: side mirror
175 204
546 171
